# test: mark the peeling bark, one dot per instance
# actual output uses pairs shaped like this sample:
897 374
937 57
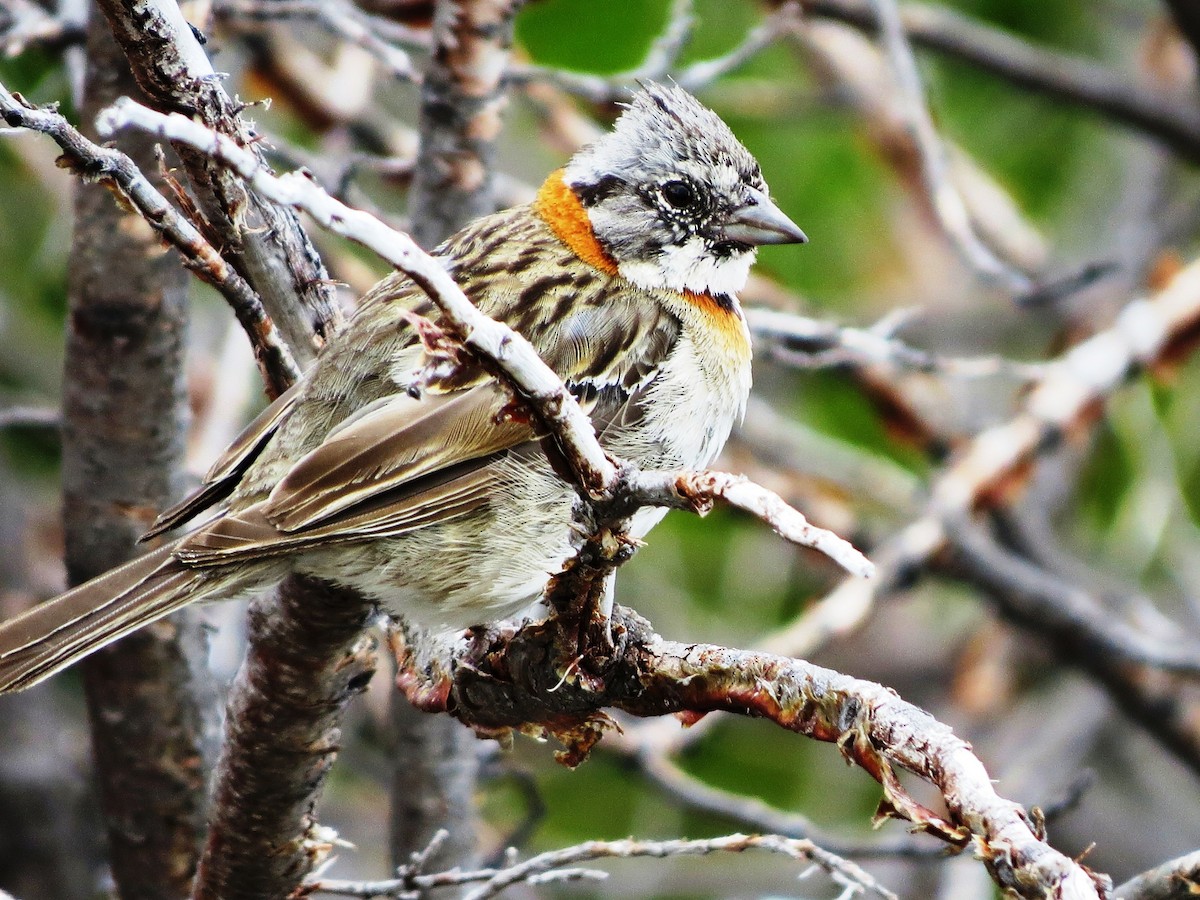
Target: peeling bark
308 657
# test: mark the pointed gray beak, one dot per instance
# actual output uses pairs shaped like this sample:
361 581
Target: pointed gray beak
760 221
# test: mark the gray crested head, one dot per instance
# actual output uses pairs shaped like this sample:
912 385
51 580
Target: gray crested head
675 198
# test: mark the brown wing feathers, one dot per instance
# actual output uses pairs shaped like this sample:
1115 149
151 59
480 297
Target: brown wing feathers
52 635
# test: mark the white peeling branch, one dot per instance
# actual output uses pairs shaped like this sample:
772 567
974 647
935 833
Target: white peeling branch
947 202
813 343
114 168
996 462
512 355
376 35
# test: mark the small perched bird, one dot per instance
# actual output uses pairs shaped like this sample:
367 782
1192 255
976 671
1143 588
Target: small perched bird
444 509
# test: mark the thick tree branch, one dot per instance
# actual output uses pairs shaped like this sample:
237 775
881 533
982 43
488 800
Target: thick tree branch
124 415
461 101
308 658
521 680
263 242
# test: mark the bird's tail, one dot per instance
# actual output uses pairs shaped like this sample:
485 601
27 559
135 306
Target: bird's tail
59 632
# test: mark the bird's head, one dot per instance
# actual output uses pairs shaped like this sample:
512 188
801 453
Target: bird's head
673 197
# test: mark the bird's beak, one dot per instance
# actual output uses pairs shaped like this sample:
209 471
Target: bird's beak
759 221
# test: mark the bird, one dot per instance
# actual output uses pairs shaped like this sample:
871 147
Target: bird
426 494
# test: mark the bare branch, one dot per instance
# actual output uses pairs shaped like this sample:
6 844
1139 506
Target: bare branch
518 680
462 98
536 381
113 168
749 812
935 166
1051 606
552 863
346 20
1177 879
1129 664
1071 79
815 343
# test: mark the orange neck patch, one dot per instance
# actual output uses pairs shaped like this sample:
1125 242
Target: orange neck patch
711 304
559 208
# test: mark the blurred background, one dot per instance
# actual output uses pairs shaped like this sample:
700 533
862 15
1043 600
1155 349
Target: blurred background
1068 131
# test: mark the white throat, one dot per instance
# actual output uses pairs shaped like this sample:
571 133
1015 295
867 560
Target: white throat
691 267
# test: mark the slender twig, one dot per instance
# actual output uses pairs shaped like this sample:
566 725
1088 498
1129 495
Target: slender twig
751 812
117 170
814 343
1172 118
945 199
492 882
778 25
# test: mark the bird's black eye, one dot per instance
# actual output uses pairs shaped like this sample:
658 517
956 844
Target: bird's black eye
679 194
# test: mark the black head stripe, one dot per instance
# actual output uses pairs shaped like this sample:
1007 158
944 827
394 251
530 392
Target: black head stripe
591 194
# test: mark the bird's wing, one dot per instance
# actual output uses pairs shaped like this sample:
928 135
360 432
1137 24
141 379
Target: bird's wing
400 463
222 479
405 463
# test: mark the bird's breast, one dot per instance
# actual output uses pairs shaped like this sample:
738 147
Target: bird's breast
698 394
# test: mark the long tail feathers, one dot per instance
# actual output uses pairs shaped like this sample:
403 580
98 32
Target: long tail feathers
59 632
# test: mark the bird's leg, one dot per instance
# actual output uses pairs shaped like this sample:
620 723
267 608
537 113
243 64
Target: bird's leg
426 686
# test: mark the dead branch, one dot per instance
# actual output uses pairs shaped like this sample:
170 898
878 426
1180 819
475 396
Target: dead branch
117 171
553 865
1173 119
521 681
